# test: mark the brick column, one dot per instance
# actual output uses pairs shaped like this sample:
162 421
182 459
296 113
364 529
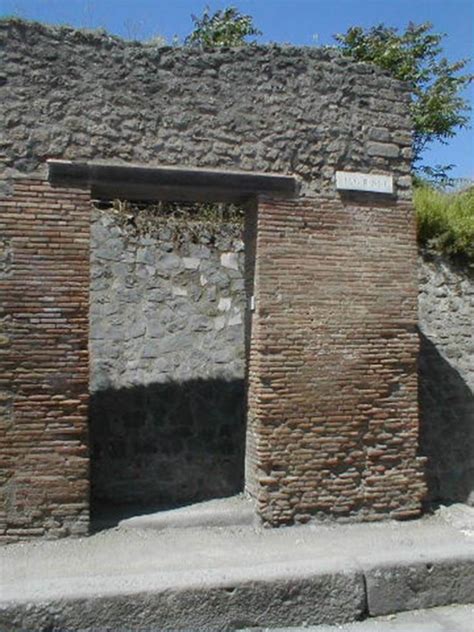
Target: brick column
333 417
44 287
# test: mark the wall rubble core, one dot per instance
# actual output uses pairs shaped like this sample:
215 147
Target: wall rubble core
332 427
167 348
446 378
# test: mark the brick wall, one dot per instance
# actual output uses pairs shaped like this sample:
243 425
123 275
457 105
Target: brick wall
333 418
44 285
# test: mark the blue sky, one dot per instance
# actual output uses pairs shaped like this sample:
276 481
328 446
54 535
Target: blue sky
299 22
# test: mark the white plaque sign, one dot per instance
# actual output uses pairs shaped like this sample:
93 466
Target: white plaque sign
371 182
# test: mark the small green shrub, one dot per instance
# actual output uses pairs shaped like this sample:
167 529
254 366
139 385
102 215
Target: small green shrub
226 27
445 221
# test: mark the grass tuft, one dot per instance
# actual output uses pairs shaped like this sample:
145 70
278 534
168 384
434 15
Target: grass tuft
445 222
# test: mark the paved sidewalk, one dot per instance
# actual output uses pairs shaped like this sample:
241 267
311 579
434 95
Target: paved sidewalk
237 577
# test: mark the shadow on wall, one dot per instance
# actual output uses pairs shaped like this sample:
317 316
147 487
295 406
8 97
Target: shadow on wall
446 427
162 445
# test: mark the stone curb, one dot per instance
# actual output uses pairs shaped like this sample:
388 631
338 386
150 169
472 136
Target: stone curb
235 599
269 595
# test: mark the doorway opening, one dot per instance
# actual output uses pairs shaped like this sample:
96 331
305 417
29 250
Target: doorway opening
170 289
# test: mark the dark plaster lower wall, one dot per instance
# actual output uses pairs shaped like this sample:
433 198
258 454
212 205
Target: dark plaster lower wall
165 444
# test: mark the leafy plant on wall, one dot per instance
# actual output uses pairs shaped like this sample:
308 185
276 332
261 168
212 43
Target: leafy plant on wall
227 27
438 108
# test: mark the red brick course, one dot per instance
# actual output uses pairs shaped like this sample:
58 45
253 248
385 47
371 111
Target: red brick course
333 417
44 286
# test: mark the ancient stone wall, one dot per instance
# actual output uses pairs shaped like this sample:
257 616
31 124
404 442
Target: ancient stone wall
446 311
86 96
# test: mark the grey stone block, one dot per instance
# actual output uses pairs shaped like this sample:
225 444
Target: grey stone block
230 260
169 262
224 304
179 291
191 263
235 319
145 255
380 134
420 584
386 150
